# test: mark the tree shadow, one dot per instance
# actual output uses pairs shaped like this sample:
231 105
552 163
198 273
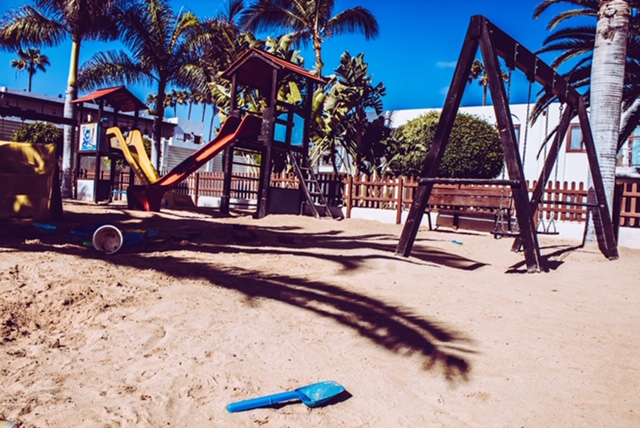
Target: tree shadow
397 329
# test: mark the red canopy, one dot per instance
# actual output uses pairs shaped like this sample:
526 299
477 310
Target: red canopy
118 97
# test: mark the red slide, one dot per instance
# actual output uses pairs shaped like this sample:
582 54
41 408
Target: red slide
149 198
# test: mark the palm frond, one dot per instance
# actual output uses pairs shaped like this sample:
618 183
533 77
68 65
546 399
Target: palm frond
546 4
107 68
568 14
357 19
29 26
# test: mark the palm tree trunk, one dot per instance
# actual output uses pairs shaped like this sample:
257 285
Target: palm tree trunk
607 81
317 48
361 120
156 148
68 152
213 115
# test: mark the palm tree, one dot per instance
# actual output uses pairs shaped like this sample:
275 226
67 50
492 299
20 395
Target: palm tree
308 21
194 98
345 123
160 45
219 42
170 100
49 23
601 55
575 45
607 83
478 72
175 98
31 60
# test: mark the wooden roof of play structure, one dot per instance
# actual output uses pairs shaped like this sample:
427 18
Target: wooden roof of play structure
254 68
118 97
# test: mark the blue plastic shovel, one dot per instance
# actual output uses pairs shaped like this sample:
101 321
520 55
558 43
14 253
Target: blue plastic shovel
312 395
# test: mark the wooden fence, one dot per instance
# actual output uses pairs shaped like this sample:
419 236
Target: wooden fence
562 199
630 204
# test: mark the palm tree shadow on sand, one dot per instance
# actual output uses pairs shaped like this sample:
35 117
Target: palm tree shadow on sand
396 329
399 330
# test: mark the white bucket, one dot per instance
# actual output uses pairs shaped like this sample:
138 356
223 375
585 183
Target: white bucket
107 239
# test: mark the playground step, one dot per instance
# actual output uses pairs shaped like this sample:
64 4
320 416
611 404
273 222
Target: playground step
315 200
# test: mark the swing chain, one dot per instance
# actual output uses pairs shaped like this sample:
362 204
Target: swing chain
503 228
501 208
551 227
544 171
526 126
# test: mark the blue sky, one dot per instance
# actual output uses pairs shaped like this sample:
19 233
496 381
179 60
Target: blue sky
414 56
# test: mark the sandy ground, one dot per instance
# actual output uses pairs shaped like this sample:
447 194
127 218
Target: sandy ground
218 309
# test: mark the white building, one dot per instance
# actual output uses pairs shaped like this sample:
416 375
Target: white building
188 137
572 163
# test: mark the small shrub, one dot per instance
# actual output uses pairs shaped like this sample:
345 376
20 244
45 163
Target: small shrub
474 149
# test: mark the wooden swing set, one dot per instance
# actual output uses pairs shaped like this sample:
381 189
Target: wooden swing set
495 43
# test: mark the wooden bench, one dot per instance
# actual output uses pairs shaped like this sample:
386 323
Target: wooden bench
482 208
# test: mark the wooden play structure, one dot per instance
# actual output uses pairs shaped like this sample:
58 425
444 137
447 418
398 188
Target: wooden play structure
284 133
276 129
94 151
494 44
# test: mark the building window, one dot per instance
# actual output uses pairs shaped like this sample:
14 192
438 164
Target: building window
325 160
634 149
575 142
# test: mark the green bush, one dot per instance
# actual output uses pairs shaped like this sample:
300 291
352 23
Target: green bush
38 132
474 149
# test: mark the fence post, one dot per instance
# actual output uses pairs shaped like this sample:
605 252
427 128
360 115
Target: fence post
633 205
197 188
400 190
349 195
617 208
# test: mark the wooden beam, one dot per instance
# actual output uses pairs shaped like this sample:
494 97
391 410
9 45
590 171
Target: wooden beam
479 181
266 140
606 237
441 137
547 167
517 56
513 162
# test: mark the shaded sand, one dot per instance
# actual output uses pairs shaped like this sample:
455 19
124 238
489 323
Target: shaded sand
224 309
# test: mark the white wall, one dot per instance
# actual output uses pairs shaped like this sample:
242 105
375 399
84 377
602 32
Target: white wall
571 166
182 145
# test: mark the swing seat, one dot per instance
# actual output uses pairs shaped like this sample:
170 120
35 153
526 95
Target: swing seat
547 229
497 234
470 207
547 232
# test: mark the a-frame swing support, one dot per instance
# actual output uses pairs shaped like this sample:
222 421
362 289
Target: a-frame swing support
494 43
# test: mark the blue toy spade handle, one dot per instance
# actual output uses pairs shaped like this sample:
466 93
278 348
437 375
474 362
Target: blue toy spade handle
265 401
